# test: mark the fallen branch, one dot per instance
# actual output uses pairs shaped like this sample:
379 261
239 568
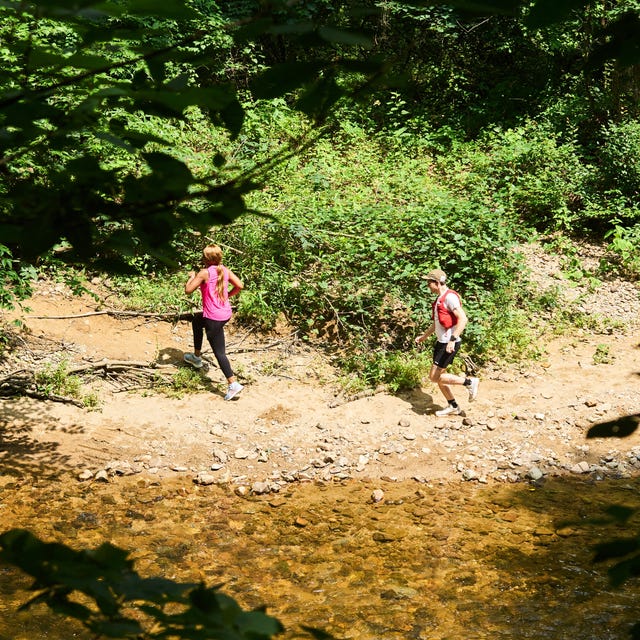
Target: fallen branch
53 397
128 374
20 387
290 339
114 313
114 365
14 374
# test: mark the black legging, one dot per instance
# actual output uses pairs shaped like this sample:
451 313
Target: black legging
215 336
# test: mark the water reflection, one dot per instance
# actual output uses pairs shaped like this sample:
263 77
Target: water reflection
430 562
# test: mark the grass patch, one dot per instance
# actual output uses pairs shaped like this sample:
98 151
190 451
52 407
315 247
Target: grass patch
54 380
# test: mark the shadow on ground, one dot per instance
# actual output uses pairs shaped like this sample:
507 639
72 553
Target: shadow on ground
21 454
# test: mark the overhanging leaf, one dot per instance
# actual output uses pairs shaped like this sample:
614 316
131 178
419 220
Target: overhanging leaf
168 9
284 78
548 12
342 36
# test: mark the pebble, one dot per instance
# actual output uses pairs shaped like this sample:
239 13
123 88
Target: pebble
581 467
204 479
258 488
220 455
534 473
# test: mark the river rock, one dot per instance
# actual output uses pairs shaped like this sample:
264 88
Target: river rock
581 467
389 534
534 473
102 476
204 479
469 474
220 455
258 488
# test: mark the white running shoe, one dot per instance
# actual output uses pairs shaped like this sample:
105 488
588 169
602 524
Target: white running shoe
193 360
234 389
473 389
448 411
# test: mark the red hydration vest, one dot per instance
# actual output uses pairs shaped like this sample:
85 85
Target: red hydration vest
445 317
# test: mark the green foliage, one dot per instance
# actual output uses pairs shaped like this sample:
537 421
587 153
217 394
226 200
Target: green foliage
355 228
603 355
130 143
185 381
94 98
619 159
624 242
395 371
157 291
527 171
101 589
16 279
55 380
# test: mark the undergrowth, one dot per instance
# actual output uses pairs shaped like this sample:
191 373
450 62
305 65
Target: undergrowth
350 227
183 382
55 380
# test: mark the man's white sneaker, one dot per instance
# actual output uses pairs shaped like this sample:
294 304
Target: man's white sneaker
448 411
193 360
473 389
234 389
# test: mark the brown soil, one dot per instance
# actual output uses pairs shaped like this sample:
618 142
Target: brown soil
291 423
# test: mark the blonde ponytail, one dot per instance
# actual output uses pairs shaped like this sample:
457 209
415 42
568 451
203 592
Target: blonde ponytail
213 258
220 288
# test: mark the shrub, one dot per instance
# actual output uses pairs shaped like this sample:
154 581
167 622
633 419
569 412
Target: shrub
396 371
619 161
54 380
624 242
528 172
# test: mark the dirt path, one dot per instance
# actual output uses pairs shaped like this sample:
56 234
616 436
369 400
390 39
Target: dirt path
289 423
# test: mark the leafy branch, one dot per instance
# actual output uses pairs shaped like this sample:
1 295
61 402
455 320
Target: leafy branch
101 589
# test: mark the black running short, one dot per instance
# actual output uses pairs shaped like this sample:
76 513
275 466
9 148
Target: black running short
441 358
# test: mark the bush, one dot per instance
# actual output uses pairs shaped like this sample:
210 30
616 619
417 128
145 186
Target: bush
396 371
624 241
527 172
55 380
619 161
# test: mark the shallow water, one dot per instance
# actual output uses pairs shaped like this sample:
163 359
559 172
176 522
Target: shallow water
429 562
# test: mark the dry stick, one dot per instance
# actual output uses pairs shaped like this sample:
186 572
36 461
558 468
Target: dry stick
53 397
115 365
256 349
245 336
113 312
13 374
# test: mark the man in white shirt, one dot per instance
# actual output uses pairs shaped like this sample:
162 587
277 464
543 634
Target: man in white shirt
449 321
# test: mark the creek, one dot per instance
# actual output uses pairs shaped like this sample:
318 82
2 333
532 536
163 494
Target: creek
441 561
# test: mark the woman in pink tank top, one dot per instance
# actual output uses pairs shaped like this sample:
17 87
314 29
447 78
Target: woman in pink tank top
213 282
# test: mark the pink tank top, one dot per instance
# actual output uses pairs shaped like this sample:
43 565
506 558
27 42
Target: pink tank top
213 307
